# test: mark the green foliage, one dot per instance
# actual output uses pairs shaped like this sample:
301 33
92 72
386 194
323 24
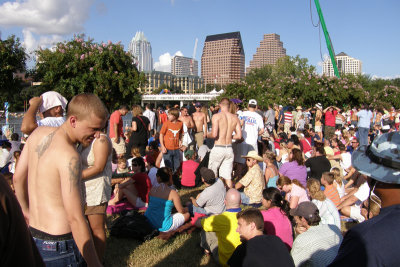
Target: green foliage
293 82
12 61
79 65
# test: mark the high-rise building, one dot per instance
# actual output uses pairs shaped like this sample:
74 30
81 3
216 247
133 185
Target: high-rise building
345 64
140 48
269 51
184 66
222 61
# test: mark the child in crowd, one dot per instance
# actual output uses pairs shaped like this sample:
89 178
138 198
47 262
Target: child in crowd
121 166
338 183
330 191
171 140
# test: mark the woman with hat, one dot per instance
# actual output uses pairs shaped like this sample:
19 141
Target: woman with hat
253 182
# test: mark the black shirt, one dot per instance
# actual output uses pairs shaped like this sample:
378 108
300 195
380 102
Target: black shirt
141 133
317 165
374 242
262 250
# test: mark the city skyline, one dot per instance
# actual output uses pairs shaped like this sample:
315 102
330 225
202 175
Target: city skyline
367 31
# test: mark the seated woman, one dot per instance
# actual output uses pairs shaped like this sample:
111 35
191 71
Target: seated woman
162 200
295 192
276 216
188 169
327 210
295 168
136 189
271 174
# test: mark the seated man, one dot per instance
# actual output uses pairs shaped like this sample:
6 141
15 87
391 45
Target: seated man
316 244
219 235
258 249
51 104
253 182
318 163
211 200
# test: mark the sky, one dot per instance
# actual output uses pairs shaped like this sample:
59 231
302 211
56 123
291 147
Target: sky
367 30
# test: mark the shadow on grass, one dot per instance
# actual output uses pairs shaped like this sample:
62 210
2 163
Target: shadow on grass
189 253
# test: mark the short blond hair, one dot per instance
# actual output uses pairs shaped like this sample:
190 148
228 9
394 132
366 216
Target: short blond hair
84 105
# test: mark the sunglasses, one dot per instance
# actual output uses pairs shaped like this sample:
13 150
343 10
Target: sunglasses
248 159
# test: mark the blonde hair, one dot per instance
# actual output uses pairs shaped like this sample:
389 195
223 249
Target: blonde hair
314 189
136 110
174 112
135 152
375 205
84 105
337 175
232 107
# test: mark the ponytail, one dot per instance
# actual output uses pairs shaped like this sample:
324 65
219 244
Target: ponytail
277 200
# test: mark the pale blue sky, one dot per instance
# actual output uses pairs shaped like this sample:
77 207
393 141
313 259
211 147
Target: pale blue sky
367 30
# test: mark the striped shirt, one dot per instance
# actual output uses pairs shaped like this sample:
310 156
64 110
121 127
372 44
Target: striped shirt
332 193
288 117
317 246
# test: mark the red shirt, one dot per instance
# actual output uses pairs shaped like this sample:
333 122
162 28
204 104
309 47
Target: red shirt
330 118
143 185
116 118
188 176
305 145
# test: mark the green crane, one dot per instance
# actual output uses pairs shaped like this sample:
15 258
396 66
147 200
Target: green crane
327 38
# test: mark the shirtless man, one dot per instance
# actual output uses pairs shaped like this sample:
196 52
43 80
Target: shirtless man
200 125
188 123
51 200
224 124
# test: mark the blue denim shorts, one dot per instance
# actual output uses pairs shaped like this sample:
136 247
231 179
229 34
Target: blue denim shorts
57 250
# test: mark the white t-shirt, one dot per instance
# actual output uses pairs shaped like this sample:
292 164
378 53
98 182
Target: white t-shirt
345 163
51 121
151 116
152 175
253 123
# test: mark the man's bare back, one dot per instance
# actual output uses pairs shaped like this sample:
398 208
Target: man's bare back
45 186
199 119
224 124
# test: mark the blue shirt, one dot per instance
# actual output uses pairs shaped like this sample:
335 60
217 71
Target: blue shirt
364 118
374 242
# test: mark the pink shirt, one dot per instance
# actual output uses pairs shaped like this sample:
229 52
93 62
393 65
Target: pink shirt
278 224
188 176
297 191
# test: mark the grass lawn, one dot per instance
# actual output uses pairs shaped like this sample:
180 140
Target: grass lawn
181 250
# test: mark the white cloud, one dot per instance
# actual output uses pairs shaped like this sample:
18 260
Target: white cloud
375 77
46 19
164 61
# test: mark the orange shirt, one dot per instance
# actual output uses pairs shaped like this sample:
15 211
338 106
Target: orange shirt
332 193
172 132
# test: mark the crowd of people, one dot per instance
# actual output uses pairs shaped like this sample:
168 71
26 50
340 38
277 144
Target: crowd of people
277 183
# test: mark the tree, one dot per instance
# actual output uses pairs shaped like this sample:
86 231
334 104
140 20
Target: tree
12 61
79 66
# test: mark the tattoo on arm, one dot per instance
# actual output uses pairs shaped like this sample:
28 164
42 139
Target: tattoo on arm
44 145
74 168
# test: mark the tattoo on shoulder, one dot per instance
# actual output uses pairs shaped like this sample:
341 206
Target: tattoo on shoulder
74 168
102 140
44 145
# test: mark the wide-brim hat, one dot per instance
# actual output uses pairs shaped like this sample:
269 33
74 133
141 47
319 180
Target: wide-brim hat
318 105
254 155
380 160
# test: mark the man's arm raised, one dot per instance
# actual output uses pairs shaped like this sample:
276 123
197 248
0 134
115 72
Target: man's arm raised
21 182
70 175
29 121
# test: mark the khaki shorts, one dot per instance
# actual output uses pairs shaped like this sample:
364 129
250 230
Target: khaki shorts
99 209
318 129
221 161
120 148
199 137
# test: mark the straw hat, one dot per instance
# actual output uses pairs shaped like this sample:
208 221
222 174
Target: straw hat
254 155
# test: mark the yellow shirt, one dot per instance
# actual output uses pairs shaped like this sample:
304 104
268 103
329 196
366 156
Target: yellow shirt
224 225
